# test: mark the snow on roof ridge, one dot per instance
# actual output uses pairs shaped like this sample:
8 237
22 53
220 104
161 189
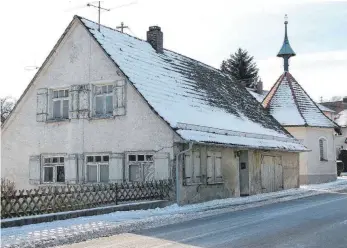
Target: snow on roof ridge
166 49
193 127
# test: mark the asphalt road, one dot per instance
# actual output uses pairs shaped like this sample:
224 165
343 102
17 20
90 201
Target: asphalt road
317 221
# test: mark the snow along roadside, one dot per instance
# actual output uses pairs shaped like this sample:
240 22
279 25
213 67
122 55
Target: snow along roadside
84 228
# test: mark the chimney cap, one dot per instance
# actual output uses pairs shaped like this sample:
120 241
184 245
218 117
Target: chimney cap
151 28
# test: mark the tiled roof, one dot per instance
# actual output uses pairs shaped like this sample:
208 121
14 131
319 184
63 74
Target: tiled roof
185 92
292 106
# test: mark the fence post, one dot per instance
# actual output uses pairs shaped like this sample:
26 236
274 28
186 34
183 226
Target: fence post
116 187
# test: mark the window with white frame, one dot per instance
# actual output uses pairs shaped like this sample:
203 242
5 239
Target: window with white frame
323 149
140 166
103 100
53 170
97 168
214 167
60 104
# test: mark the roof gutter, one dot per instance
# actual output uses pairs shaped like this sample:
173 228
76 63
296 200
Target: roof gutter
177 171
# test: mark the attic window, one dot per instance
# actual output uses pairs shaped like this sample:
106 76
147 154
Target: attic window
103 100
60 100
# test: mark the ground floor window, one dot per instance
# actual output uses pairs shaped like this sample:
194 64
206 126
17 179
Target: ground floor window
97 168
53 170
141 167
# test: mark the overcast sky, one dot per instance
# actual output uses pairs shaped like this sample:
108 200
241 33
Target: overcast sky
202 29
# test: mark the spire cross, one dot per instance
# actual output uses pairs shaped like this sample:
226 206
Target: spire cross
122 27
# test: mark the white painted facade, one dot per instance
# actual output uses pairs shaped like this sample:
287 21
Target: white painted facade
312 169
79 60
28 138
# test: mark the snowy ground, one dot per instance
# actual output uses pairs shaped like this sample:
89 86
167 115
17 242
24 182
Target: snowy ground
83 228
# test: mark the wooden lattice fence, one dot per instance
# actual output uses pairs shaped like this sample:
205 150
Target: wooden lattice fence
74 197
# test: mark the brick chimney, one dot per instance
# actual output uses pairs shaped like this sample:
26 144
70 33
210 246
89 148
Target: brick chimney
155 38
344 99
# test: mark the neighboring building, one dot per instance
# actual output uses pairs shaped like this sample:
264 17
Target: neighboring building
327 111
109 107
288 102
341 140
337 106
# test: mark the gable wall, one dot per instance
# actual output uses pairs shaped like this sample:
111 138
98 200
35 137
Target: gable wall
312 170
78 60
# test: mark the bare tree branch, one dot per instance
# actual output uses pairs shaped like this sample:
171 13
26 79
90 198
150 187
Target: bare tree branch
7 104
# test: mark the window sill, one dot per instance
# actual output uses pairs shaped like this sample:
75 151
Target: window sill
57 120
108 117
324 160
215 183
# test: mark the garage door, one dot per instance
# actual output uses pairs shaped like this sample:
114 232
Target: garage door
271 174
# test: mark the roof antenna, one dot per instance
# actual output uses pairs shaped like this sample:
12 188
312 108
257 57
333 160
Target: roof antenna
99 11
122 27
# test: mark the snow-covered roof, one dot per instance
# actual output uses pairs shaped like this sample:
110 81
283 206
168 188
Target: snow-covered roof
185 92
341 118
292 106
325 109
259 97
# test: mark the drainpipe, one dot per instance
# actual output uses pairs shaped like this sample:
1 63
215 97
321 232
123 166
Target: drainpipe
177 171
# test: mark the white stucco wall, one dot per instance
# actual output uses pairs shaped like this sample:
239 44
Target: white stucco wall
78 60
312 170
340 139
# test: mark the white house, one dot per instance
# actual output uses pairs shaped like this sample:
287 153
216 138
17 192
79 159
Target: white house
109 107
341 140
289 103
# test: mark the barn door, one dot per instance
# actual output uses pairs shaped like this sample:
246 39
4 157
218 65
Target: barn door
271 174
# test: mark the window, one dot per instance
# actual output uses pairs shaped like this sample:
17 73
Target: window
103 100
192 167
323 149
98 168
214 167
53 170
140 167
60 104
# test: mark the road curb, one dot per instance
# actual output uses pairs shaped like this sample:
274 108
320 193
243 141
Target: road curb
27 220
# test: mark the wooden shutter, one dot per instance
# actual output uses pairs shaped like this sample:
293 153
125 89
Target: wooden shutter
218 167
71 168
73 101
84 101
42 105
119 98
161 166
116 168
210 167
196 167
188 168
35 169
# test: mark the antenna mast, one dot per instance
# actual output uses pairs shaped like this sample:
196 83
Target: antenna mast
99 11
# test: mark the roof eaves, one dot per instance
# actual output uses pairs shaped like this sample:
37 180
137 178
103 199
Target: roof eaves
243 146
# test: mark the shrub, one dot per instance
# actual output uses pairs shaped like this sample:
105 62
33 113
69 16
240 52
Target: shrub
7 187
